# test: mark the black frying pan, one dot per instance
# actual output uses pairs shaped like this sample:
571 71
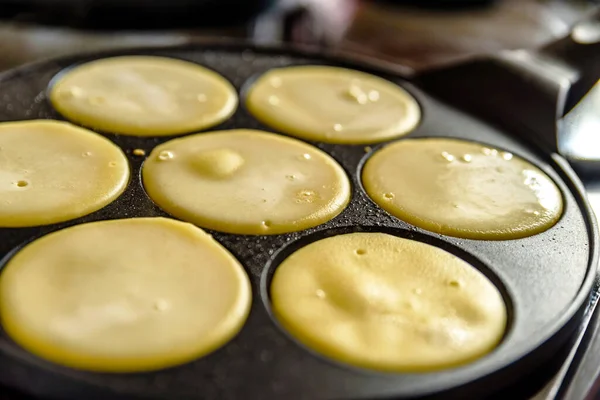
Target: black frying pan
546 279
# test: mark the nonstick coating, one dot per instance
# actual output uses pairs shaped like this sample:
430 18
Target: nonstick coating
546 279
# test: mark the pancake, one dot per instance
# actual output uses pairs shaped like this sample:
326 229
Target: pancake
334 105
380 302
143 96
124 295
462 189
53 171
246 182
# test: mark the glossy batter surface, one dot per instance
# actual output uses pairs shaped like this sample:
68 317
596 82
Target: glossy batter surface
124 295
246 182
462 189
144 96
381 302
334 105
54 171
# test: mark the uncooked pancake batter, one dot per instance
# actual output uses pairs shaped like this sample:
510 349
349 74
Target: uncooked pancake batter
124 295
53 171
246 182
381 302
462 189
144 96
334 105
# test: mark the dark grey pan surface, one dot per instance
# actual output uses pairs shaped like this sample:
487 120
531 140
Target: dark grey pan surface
546 278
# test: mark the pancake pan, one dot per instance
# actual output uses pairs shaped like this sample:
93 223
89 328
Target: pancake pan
546 279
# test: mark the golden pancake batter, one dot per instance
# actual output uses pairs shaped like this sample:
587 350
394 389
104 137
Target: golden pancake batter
334 105
246 182
380 302
144 96
53 171
462 189
124 295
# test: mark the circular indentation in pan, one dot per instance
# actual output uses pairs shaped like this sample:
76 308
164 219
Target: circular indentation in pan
246 182
332 105
143 96
53 172
97 296
476 191
346 348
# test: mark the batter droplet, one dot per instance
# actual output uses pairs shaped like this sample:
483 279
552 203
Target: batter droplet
489 152
447 156
467 158
165 155
534 212
356 94
388 196
273 100
305 156
320 294
373 95
86 154
306 196
507 156
338 127
139 152
217 163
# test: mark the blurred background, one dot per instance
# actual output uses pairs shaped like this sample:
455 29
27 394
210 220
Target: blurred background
418 33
